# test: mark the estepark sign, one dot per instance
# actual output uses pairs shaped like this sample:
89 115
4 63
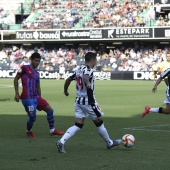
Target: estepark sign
129 33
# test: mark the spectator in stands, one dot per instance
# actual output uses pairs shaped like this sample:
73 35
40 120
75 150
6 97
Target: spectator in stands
78 4
96 12
157 11
104 13
36 6
143 22
61 71
5 23
49 67
5 63
119 59
109 13
98 67
80 58
42 2
56 20
49 3
70 19
0 23
123 22
160 21
104 4
55 2
35 25
24 24
166 19
15 65
28 24
169 15
69 66
69 5
90 3
112 4
139 21
3 54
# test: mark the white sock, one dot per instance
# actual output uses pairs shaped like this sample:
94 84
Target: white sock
69 133
104 134
52 130
155 110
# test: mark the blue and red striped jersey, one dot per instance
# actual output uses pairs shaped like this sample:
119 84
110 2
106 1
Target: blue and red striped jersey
30 78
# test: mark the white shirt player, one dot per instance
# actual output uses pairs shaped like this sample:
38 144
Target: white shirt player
166 73
84 96
25 62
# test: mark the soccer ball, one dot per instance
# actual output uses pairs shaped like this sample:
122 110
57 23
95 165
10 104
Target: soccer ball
128 140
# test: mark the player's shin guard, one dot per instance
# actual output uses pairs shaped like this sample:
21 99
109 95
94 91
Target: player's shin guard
50 118
30 123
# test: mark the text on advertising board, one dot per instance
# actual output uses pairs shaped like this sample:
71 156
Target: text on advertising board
130 33
37 35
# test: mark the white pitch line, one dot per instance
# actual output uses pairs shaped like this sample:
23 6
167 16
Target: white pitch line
152 130
6 86
147 126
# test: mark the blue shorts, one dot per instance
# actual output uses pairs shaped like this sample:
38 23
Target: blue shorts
30 106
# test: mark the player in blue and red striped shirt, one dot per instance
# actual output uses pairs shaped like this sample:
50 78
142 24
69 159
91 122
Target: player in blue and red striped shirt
31 95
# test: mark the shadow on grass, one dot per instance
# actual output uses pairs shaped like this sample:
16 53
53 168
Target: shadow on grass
3 100
86 150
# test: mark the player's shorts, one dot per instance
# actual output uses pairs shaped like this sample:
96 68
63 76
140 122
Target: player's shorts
41 103
92 111
167 100
32 104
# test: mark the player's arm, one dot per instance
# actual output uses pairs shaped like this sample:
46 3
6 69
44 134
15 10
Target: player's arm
86 81
38 89
156 84
89 90
66 85
38 85
17 77
162 76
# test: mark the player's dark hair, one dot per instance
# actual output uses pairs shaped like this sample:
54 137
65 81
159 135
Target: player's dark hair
90 56
35 55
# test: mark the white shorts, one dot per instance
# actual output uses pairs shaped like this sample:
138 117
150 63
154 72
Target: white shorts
92 111
167 100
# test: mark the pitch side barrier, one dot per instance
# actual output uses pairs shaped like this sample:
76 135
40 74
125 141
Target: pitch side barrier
78 34
118 75
130 33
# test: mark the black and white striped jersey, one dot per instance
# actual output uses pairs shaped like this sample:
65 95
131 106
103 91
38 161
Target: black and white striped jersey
84 96
166 73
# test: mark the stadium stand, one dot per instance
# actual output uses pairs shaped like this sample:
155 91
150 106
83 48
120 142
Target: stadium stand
67 14
11 8
119 59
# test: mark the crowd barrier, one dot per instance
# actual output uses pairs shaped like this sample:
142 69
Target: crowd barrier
138 33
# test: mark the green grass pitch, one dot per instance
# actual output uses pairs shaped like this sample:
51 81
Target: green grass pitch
121 101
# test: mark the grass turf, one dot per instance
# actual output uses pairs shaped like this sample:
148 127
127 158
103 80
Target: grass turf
121 101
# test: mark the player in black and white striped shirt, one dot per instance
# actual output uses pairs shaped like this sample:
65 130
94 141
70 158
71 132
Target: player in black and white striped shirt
85 103
160 110
85 96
